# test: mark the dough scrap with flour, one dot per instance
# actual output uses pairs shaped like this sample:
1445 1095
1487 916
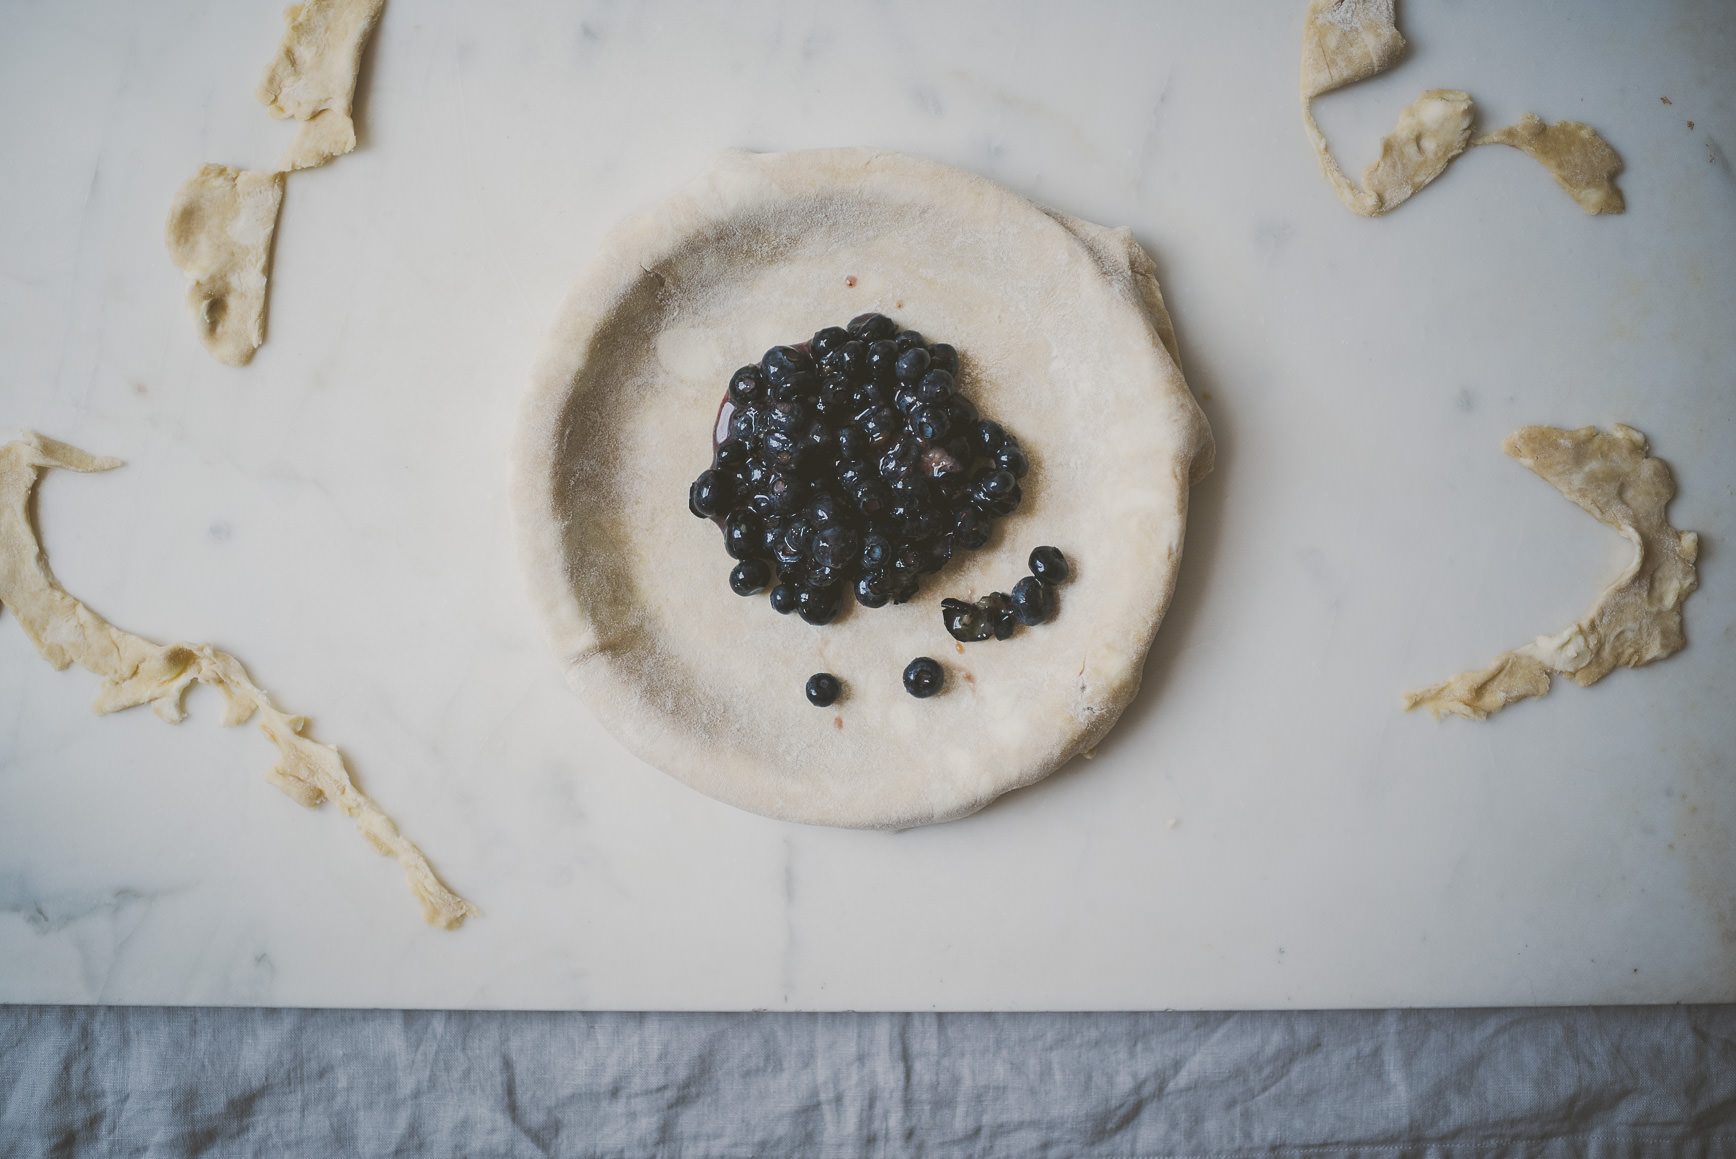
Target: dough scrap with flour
137 671
1344 41
219 233
1062 336
1637 619
313 76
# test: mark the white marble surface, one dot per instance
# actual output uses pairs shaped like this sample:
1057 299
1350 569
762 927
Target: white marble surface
1264 828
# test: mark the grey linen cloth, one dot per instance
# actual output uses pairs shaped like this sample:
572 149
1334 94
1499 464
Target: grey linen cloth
160 1082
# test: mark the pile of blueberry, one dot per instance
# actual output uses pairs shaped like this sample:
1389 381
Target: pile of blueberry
1031 602
852 464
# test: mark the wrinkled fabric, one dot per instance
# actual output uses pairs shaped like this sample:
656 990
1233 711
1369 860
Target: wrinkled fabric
238 1082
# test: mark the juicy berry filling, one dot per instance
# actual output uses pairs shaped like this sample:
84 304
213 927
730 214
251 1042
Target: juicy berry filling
851 464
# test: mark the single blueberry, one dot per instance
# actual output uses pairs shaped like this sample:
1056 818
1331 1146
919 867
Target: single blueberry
744 425
912 364
827 340
784 598
1012 459
873 499
882 360
942 355
930 423
972 529
851 472
823 689
749 576
964 416
989 437
780 449
782 361
818 576
800 386
732 453
877 551
835 547
997 609
709 495
923 678
935 387
909 340
743 534
938 552
1033 601
872 327
817 605
853 442
1049 565
964 622
905 399
871 589
746 386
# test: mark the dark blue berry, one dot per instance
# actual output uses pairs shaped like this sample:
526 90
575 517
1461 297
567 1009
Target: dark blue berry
909 340
872 327
873 499
835 547
989 437
912 364
923 678
1012 459
964 622
937 553
877 551
930 423
905 399
1049 565
942 355
743 534
1033 601
826 341
901 585
882 360
708 496
784 598
817 605
818 576
997 610
972 529
936 387
794 542
732 453
964 417
823 689
801 386
746 386
871 589
782 361
749 576
853 442
744 425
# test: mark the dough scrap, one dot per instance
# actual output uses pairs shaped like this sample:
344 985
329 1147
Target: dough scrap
1637 619
1580 161
1344 41
219 234
313 76
137 671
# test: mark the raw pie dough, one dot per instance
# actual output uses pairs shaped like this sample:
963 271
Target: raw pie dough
1344 41
1062 336
313 76
1638 619
222 220
137 671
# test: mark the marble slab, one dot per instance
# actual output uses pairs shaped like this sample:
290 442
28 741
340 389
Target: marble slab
1265 828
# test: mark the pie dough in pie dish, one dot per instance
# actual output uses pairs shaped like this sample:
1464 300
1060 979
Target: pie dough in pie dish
1062 337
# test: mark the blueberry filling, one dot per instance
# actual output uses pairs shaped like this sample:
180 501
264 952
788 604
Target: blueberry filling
823 689
851 464
923 678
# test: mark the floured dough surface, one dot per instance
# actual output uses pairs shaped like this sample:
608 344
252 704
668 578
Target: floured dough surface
137 671
1637 619
1344 41
1581 162
1061 336
219 233
313 76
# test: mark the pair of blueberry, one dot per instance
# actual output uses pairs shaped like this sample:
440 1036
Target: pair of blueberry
923 677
